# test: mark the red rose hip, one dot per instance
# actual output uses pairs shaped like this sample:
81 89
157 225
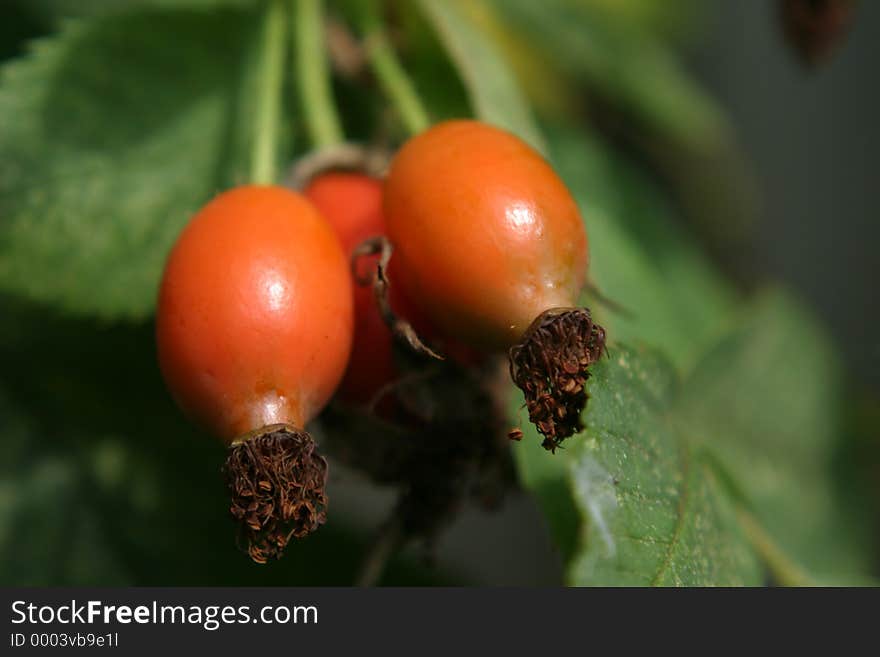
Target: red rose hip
352 204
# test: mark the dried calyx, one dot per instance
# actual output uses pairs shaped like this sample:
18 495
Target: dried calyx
378 279
276 480
550 365
446 447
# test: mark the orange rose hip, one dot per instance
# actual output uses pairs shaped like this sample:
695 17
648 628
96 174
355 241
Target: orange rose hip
254 329
490 245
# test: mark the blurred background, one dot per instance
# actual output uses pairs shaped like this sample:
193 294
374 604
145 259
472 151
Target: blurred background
810 137
104 483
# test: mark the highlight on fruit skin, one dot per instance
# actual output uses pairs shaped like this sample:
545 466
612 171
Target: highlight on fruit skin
488 241
254 328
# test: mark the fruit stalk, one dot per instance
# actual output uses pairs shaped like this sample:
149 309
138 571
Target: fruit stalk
268 110
322 119
390 73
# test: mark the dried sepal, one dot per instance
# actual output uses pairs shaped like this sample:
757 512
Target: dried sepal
402 330
550 365
276 481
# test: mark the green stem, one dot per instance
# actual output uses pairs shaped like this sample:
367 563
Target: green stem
322 119
268 103
390 73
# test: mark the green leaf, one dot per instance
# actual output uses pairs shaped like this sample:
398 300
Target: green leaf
672 19
640 256
628 67
651 509
766 402
493 90
121 127
733 465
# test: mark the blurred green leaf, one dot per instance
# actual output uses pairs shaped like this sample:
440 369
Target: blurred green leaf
743 449
65 8
766 401
640 256
423 55
629 68
669 19
123 126
493 90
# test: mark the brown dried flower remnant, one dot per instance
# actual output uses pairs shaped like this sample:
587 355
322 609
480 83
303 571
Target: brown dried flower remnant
550 365
815 28
276 480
